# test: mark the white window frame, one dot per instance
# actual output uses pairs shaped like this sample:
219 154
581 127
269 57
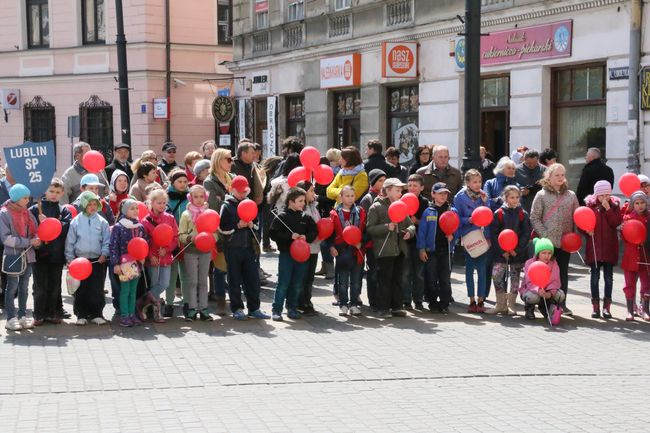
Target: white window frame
265 24
340 5
292 7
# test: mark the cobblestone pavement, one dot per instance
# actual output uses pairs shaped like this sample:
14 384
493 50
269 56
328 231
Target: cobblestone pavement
458 372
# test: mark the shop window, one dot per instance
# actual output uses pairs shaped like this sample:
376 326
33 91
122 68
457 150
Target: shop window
403 105
296 116
96 125
39 121
579 103
348 125
93 23
38 24
295 10
224 36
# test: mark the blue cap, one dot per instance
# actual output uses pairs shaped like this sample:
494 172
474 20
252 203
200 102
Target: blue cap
90 179
18 191
440 187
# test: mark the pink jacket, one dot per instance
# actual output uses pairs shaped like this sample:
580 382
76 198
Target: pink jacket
553 285
149 223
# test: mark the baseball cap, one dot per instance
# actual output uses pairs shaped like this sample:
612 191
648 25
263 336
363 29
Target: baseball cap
90 179
393 181
440 187
168 146
239 184
644 179
121 146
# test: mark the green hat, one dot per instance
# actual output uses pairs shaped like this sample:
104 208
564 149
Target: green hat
543 244
86 197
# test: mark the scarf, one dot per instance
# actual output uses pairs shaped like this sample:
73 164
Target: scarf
195 210
473 195
352 171
115 205
176 195
21 220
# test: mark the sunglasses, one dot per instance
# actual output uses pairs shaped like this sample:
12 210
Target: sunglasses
170 151
228 160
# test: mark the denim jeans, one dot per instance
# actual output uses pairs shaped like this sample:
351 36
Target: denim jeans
243 274
159 279
437 278
291 276
350 277
219 278
480 265
308 285
608 274
325 251
20 284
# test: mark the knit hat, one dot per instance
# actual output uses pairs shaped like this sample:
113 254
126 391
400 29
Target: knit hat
86 197
18 191
175 175
90 179
638 195
602 187
644 179
239 184
126 204
543 244
201 164
374 175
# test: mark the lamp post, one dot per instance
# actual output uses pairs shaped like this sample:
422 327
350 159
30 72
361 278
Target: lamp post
122 74
471 157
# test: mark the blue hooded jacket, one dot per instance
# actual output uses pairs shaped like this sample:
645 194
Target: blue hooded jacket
464 207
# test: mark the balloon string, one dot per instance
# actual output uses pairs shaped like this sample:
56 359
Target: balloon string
20 256
593 244
181 251
255 236
583 260
384 244
280 219
548 313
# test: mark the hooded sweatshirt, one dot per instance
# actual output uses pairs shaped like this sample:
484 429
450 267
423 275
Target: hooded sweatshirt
123 231
89 235
14 241
119 197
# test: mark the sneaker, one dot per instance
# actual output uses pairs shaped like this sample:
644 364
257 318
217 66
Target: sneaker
81 322
629 317
259 314
126 322
168 311
646 316
26 323
343 311
55 320
277 317
407 306
529 312
294 315
38 322
419 306
309 312
65 314
191 315
135 320
355 311
384 314
204 315
13 324
99 321
434 307
443 310
398 313
472 307
606 314
566 311
239 315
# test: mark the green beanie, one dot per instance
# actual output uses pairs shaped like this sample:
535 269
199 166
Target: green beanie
86 197
542 244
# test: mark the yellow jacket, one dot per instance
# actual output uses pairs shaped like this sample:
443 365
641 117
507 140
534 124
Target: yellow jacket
359 182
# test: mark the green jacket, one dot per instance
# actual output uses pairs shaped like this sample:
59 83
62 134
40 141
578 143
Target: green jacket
377 228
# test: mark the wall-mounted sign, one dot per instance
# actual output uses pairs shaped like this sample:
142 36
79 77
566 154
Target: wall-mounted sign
619 73
399 59
161 108
10 99
341 71
545 41
261 83
459 53
261 5
271 102
241 118
645 88
224 140
223 109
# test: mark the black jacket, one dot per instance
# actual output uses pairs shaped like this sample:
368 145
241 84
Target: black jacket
378 161
591 173
167 167
298 222
52 252
230 235
115 165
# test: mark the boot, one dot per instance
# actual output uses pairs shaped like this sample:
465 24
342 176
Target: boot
529 311
157 315
329 271
646 312
630 310
595 305
145 301
542 309
512 303
607 305
322 270
501 306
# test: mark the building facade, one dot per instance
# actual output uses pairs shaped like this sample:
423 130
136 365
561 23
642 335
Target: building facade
58 59
340 72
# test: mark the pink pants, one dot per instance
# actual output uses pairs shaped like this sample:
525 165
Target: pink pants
630 284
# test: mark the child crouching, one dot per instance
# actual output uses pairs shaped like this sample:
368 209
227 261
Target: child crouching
533 295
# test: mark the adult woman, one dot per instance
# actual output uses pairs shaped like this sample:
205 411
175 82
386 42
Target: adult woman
422 158
207 149
351 173
149 156
145 180
552 216
505 175
189 160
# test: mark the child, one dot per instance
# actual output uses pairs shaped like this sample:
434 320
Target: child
126 228
508 264
632 256
241 248
349 258
289 225
468 199
177 193
18 235
311 210
533 295
413 275
90 182
389 245
605 237
119 187
377 177
197 263
433 250
89 237
160 256
50 259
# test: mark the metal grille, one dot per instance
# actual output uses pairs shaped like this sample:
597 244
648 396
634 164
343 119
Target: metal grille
39 121
292 36
399 12
96 125
250 115
340 25
261 42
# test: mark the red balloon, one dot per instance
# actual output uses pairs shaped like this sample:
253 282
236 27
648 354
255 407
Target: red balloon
247 210
143 210
482 216
571 242
310 157
204 242
585 218
352 235
299 250
162 234
398 211
323 174
629 183
508 240
213 253
208 221
539 273
412 202
449 222
297 175
634 232
49 229
325 228
138 248
71 209
80 268
93 161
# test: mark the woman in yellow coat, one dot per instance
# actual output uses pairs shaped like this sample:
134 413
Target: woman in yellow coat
351 173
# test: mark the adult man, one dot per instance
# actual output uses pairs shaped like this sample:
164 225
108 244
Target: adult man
593 171
72 176
487 166
168 161
377 160
290 145
528 175
121 153
398 171
244 165
439 170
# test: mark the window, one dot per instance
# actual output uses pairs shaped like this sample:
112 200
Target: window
296 116
348 126
579 103
223 23
261 42
96 125
495 92
93 23
495 115
38 24
342 4
295 10
403 105
39 120
292 36
261 20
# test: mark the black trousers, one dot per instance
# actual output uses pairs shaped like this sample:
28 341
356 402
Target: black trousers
389 292
308 285
437 283
371 277
89 298
563 258
47 289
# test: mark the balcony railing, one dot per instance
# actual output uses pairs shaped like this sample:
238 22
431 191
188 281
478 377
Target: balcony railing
399 12
292 37
340 25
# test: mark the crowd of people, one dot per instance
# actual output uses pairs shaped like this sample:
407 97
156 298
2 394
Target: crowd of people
405 263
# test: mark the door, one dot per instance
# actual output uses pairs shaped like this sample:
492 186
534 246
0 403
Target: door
495 132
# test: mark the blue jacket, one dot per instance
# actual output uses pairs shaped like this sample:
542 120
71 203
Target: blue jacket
494 188
123 231
428 227
464 207
516 220
88 237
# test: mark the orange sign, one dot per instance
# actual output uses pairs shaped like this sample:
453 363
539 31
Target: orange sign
399 59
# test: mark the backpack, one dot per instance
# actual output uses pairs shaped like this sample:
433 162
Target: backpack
500 217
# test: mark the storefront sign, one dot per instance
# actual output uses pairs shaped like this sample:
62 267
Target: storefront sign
261 5
223 109
10 99
342 71
645 88
459 53
270 148
242 118
620 73
224 140
161 108
545 41
399 59
261 83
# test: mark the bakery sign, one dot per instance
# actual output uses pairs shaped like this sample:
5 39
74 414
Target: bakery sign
545 41
399 59
341 71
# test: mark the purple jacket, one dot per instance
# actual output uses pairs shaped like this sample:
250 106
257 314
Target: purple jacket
123 231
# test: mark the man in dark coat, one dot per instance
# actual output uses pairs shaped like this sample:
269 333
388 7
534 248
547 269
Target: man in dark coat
593 171
528 175
439 170
121 152
168 160
376 159
487 166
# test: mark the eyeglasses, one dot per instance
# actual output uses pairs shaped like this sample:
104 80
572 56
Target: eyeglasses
170 151
228 160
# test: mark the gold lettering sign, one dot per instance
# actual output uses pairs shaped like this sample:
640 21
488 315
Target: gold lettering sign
645 88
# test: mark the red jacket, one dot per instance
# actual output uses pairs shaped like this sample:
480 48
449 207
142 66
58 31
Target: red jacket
339 242
149 223
605 233
632 254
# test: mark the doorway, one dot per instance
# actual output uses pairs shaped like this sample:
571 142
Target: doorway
495 132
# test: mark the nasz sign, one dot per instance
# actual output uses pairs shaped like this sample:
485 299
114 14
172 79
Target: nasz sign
32 164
